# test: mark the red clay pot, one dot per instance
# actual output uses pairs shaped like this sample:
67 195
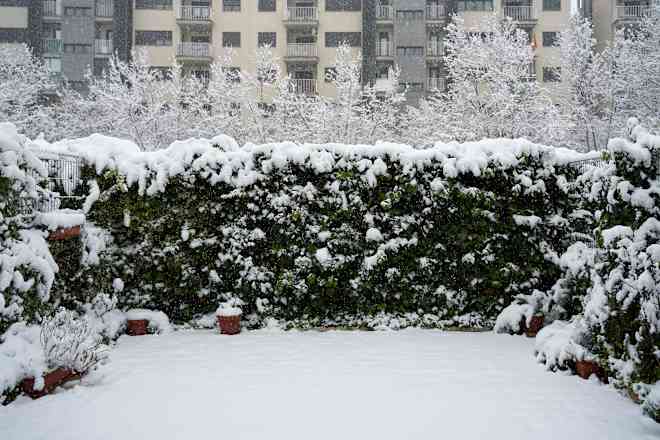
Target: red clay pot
584 369
137 327
229 325
535 325
52 380
65 233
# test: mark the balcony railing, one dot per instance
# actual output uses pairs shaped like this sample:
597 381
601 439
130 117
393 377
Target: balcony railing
384 12
439 84
302 14
632 11
436 12
520 13
193 50
52 8
52 45
103 47
384 49
304 86
194 13
302 50
104 8
435 49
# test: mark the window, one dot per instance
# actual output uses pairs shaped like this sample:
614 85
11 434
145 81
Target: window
474 5
54 65
550 38
11 35
77 48
330 74
410 51
231 5
231 39
232 74
551 74
333 39
267 5
153 38
267 39
412 86
153 4
410 15
552 5
343 5
77 12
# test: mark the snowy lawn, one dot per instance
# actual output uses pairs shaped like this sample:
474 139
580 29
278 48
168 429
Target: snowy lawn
412 384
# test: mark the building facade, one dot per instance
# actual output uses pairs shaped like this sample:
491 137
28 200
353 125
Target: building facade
76 35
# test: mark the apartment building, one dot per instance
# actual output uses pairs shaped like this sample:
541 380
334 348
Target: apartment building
75 35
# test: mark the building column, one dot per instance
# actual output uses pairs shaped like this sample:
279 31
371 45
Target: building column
35 27
369 35
122 29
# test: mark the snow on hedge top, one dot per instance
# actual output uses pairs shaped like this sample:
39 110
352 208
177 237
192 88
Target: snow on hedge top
643 143
221 160
15 159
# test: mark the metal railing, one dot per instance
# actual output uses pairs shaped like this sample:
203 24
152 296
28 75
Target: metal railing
189 49
52 45
104 8
302 14
194 13
633 11
436 12
304 86
103 47
302 50
520 13
583 165
384 49
437 83
435 49
52 8
384 12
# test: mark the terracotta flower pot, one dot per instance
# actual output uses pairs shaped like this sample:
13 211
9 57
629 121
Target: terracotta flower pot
137 327
585 369
229 325
52 380
65 233
535 325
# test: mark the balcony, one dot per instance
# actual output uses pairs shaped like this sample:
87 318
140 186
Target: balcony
305 16
438 84
302 51
632 12
384 49
52 9
303 86
52 46
195 14
435 49
384 13
521 14
194 51
104 9
103 47
436 12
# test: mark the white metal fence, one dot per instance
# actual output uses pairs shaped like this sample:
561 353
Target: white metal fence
520 13
194 13
302 50
190 49
302 14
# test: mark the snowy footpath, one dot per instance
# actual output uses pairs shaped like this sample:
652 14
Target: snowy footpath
412 384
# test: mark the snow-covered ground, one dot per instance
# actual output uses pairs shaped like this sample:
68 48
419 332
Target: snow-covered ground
335 385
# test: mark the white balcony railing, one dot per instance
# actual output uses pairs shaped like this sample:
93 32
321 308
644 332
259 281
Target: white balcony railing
304 86
384 12
194 13
52 8
103 47
436 12
519 13
302 50
439 84
632 11
302 14
435 49
104 8
52 45
188 49
384 49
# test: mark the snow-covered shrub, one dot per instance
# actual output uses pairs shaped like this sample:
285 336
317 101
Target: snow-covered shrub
652 402
21 356
69 342
560 344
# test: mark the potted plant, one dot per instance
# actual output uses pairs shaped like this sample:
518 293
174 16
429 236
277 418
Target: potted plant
229 317
535 325
142 321
586 367
70 350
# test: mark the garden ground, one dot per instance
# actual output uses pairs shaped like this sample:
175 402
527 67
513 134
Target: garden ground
419 384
